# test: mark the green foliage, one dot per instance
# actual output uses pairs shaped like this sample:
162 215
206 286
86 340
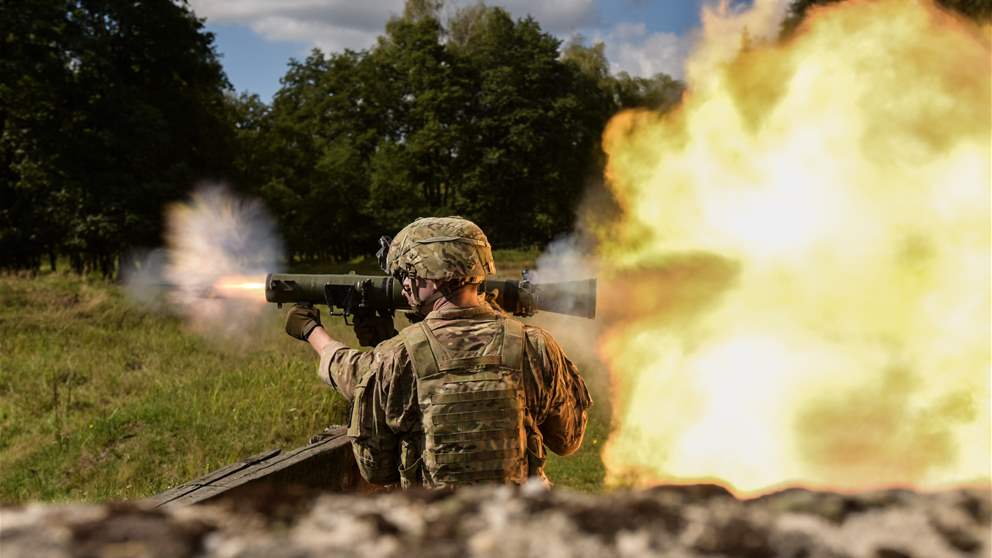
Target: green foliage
109 109
100 399
319 136
481 116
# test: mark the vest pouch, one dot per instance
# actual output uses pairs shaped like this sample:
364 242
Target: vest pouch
536 455
411 461
358 410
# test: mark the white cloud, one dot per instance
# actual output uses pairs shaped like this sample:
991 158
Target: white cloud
367 14
723 27
632 49
328 37
334 25
558 16
330 24
339 24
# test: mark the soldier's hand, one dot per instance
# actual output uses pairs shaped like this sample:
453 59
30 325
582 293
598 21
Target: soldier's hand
372 329
302 320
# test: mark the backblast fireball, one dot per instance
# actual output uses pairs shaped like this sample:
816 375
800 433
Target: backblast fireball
815 219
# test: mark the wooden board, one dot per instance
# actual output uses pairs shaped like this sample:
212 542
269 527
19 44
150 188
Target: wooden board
327 464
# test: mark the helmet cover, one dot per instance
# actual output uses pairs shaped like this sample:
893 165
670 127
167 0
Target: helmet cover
445 249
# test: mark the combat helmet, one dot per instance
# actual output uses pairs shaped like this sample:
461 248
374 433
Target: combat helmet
450 250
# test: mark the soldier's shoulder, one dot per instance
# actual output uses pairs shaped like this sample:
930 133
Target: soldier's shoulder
538 337
394 343
391 349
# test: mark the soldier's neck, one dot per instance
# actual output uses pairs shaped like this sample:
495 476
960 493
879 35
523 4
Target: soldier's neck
462 298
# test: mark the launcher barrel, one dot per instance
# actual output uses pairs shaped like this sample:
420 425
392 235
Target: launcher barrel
385 294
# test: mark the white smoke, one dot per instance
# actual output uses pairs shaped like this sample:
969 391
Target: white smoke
571 258
567 258
214 235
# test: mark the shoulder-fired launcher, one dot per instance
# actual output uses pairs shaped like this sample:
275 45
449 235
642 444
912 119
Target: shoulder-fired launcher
352 293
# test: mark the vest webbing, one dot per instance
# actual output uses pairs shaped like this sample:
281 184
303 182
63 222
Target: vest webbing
472 409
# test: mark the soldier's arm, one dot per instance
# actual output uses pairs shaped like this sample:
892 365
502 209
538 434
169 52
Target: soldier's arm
565 402
320 340
343 368
303 323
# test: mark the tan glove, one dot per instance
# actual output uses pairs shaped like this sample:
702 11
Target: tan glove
302 320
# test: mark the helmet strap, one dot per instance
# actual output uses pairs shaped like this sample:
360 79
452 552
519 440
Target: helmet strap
423 307
427 305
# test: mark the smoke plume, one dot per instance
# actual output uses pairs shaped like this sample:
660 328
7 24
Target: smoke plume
567 259
218 249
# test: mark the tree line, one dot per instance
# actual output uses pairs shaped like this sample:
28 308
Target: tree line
484 116
110 109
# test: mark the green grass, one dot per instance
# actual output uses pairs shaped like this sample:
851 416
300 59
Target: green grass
101 399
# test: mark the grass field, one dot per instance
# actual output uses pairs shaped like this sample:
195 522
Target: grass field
102 399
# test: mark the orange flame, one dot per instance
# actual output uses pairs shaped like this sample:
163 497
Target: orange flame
239 286
814 220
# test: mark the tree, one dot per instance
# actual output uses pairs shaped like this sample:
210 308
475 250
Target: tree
428 89
531 130
250 120
465 23
483 117
32 77
322 130
589 60
112 108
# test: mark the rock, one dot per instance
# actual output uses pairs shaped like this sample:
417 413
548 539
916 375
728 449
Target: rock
499 521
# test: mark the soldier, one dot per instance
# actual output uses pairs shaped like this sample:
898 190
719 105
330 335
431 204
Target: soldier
466 395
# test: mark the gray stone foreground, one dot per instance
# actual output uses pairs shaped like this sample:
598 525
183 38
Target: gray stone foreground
677 522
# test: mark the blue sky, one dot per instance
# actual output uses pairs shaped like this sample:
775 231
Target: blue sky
256 38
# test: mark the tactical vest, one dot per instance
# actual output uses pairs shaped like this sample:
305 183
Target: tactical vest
473 409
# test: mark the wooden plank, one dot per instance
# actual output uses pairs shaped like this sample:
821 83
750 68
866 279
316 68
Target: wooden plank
324 465
213 477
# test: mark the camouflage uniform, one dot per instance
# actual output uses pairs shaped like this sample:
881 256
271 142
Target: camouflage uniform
386 424
465 395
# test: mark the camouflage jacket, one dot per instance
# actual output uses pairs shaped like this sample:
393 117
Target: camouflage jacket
386 418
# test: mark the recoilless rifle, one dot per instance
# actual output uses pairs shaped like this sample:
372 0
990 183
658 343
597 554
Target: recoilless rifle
382 295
